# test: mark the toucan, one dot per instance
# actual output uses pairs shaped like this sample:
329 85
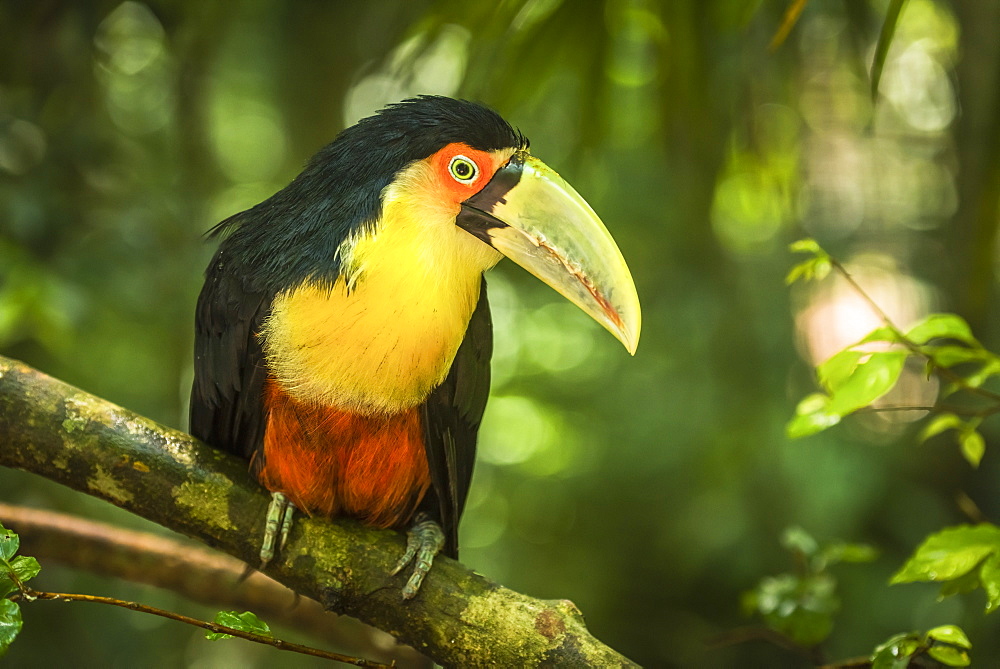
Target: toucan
343 335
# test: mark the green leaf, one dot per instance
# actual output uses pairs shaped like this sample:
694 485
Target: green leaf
800 608
9 543
939 423
989 578
950 634
942 326
838 368
950 645
973 446
952 657
10 624
960 585
980 376
808 245
814 268
871 379
882 334
811 416
25 567
841 552
795 538
896 652
950 553
947 355
244 622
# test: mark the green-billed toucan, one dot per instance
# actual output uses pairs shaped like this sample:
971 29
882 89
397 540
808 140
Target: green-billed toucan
343 337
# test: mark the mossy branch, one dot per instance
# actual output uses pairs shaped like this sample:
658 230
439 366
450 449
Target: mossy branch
459 618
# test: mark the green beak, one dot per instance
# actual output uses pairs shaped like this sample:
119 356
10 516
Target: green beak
530 214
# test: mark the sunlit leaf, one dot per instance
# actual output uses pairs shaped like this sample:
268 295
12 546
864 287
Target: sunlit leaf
950 553
942 326
952 657
882 334
816 267
244 622
938 424
950 645
811 416
973 446
951 634
807 245
838 368
871 379
979 377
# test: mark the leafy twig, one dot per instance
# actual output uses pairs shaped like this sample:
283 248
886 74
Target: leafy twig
31 594
910 345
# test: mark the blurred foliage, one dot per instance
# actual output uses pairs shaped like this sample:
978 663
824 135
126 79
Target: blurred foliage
648 490
802 605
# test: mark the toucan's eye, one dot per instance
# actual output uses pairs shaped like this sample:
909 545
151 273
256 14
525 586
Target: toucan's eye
463 169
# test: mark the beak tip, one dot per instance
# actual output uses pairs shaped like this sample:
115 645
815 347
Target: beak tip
628 335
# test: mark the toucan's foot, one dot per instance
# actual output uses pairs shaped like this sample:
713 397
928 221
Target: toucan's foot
423 541
277 525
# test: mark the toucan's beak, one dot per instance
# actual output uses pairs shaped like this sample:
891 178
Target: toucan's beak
531 215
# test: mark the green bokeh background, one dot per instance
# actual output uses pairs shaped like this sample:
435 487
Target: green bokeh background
650 491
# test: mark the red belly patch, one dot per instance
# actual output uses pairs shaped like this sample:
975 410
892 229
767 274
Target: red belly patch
335 463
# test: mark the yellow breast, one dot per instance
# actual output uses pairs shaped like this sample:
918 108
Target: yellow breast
382 339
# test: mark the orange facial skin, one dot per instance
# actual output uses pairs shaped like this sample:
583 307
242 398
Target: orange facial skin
455 191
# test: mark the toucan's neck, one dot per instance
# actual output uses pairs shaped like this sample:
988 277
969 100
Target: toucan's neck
387 332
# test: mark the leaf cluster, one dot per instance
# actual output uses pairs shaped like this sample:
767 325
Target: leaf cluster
15 571
801 605
946 644
862 373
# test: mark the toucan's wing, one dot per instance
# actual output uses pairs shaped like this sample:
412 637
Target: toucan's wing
229 372
452 415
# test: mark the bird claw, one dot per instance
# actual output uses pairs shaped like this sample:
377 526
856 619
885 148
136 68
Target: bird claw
423 541
277 525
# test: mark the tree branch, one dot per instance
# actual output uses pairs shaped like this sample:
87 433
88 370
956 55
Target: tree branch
459 617
197 573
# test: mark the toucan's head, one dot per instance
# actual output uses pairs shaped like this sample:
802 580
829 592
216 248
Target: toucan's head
450 176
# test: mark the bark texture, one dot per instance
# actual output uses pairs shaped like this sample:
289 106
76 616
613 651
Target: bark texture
459 618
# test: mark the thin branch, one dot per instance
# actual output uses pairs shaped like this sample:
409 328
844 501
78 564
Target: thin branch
788 22
459 618
945 372
30 594
196 573
969 507
742 635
